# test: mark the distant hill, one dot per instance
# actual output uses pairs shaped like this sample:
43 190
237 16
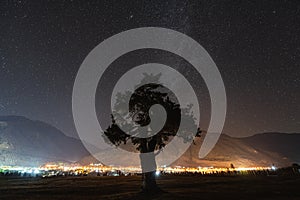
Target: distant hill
32 143
280 149
287 145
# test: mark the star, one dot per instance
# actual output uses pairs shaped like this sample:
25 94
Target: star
44 44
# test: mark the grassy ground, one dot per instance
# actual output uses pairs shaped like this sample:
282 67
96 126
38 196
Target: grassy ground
174 187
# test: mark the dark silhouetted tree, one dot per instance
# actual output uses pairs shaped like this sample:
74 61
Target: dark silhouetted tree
145 96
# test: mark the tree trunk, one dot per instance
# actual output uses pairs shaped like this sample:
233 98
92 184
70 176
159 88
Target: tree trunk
149 182
148 165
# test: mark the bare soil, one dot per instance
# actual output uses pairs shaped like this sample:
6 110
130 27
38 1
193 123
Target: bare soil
174 187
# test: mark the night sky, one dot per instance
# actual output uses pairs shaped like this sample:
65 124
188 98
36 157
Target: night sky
255 44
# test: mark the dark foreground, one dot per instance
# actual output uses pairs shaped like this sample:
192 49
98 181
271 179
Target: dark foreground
174 187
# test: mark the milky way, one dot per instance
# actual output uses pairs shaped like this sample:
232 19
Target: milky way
255 44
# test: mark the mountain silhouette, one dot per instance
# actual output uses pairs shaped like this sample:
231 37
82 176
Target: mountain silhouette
280 149
32 143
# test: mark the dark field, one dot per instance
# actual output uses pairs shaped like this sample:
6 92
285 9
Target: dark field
174 187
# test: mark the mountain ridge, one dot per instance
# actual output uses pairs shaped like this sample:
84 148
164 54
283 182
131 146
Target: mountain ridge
33 142
27 142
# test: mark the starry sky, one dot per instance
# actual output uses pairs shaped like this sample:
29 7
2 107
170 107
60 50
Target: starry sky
255 44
